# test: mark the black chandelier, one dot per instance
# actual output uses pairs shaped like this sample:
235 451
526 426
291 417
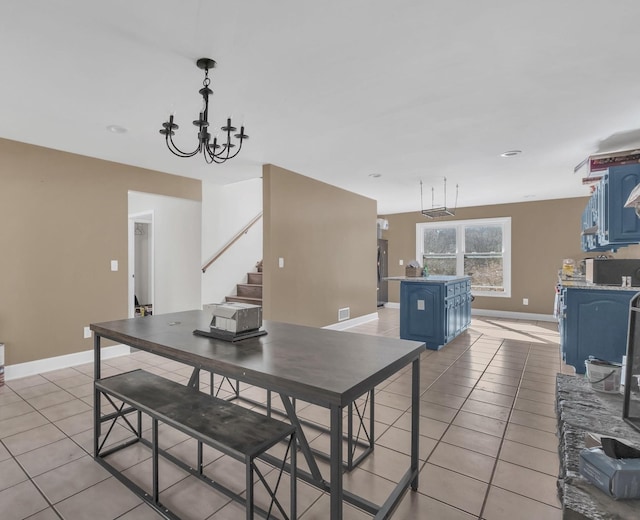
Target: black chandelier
221 149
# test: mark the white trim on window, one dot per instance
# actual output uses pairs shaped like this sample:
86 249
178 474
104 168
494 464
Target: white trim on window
459 225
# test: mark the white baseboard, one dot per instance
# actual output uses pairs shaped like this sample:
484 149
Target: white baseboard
513 315
392 305
347 324
39 366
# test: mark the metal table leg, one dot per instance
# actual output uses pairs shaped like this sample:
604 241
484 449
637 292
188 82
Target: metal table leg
336 462
96 394
415 419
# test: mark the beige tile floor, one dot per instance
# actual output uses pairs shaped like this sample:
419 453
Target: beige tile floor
488 448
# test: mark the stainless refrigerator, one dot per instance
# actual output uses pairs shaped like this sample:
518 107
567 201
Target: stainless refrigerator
383 272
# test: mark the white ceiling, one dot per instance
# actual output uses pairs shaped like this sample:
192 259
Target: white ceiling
336 90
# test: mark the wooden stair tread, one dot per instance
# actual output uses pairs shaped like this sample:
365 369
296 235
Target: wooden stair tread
244 299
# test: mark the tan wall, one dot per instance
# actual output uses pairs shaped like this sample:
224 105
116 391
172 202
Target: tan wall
63 218
327 237
542 234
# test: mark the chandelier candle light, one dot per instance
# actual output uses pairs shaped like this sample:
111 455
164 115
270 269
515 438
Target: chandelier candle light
218 151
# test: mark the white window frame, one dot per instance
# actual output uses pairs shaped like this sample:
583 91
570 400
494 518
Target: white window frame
459 225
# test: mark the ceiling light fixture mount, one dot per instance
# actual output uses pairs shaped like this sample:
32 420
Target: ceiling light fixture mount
510 153
117 129
441 211
220 149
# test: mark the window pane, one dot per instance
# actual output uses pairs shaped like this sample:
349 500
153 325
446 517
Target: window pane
440 265
483 239
486 273
439 241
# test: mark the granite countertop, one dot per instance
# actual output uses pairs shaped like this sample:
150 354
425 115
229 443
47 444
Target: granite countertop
582 410
580 282
437 278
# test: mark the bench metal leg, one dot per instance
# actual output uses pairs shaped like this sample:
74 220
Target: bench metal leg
293 473
120 411
154 456
249 504
290 452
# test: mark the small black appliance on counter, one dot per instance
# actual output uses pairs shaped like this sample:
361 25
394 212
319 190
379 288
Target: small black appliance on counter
609 271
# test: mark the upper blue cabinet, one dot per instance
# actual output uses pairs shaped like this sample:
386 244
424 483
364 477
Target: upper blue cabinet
606 223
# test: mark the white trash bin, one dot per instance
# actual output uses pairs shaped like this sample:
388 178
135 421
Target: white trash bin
604 376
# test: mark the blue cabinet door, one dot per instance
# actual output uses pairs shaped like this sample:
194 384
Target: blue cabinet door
615 226
623 226
434 312
595 324
422 313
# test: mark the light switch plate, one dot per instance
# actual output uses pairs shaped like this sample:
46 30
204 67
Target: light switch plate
114 265
280 262
87 332
421 306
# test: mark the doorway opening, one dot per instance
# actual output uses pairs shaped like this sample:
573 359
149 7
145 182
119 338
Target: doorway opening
141 262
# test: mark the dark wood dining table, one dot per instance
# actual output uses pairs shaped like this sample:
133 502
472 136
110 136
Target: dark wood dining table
328 368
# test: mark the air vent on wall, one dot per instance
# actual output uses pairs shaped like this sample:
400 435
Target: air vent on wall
343 314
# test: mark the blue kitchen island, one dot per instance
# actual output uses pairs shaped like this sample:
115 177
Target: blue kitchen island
434 309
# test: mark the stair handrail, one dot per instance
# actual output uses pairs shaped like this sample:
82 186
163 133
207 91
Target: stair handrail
232 241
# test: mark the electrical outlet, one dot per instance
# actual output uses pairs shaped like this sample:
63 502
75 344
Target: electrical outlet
525 301
401 262
87 332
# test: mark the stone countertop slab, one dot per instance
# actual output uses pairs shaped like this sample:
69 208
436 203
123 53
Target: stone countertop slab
582 410
580 282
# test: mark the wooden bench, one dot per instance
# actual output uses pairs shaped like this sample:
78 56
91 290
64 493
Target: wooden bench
235 431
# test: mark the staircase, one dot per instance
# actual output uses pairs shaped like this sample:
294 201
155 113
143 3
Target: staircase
250 292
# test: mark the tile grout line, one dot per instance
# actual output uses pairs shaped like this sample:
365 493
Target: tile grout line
453 418
52 423
502 439
30 479
456 415
497 459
